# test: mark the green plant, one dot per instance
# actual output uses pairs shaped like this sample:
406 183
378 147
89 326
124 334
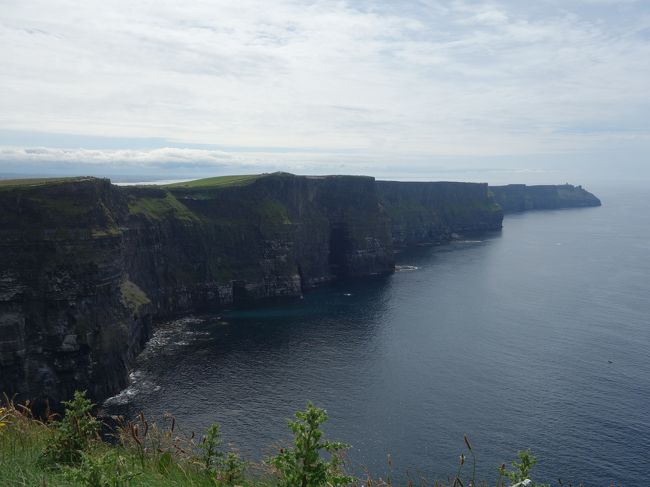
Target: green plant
231 471
227 468
74 433
101 470
522 468
211 455
302 465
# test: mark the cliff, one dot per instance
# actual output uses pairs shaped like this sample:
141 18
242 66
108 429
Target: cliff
207 243
69 316
434 212
519 197
86 267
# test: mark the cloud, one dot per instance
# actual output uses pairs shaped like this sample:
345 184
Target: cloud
124 157
417 80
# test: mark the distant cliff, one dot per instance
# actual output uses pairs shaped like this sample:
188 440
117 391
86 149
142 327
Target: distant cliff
86 267
519 197
434 212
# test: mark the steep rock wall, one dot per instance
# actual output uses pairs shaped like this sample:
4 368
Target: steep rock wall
69 317
199 247
86 266
432 212
519 197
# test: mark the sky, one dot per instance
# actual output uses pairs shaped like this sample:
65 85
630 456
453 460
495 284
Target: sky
550 91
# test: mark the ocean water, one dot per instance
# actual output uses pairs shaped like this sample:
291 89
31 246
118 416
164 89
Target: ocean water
535 337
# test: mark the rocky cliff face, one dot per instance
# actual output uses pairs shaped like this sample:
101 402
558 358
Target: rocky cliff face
519 197
69 317
86 267
433 212
193 247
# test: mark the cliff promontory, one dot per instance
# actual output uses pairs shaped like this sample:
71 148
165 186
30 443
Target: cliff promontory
519 197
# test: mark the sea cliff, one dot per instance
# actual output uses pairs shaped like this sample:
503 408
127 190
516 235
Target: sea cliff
87 267
435 212
519 197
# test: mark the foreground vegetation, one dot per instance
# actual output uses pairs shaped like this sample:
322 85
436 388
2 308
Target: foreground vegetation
68 451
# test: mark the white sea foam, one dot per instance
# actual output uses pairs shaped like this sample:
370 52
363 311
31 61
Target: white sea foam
406 268
167 338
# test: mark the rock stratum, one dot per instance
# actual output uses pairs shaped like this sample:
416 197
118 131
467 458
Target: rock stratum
87 267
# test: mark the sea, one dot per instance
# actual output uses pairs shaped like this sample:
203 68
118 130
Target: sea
536 337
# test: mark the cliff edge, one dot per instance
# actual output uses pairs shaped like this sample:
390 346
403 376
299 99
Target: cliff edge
519 197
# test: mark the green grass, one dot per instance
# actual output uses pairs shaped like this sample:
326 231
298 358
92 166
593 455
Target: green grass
159 208
272 212
8 184
218 182
133 295
23 463
145 454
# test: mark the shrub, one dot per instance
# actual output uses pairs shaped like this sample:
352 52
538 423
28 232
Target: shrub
74 433
227 468
522 468
231 471
101 470
302 465
210 446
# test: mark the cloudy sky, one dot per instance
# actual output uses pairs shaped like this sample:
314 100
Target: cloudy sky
498 91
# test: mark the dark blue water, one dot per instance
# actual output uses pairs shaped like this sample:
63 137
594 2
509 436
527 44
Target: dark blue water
535 337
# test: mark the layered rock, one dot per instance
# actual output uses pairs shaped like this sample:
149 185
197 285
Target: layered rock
69 317
193 247
85 266
434 212
519 197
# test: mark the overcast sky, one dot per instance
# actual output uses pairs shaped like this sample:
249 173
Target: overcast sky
502 91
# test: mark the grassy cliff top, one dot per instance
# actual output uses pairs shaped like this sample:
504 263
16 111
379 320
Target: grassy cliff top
7 184
218 182
244 179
